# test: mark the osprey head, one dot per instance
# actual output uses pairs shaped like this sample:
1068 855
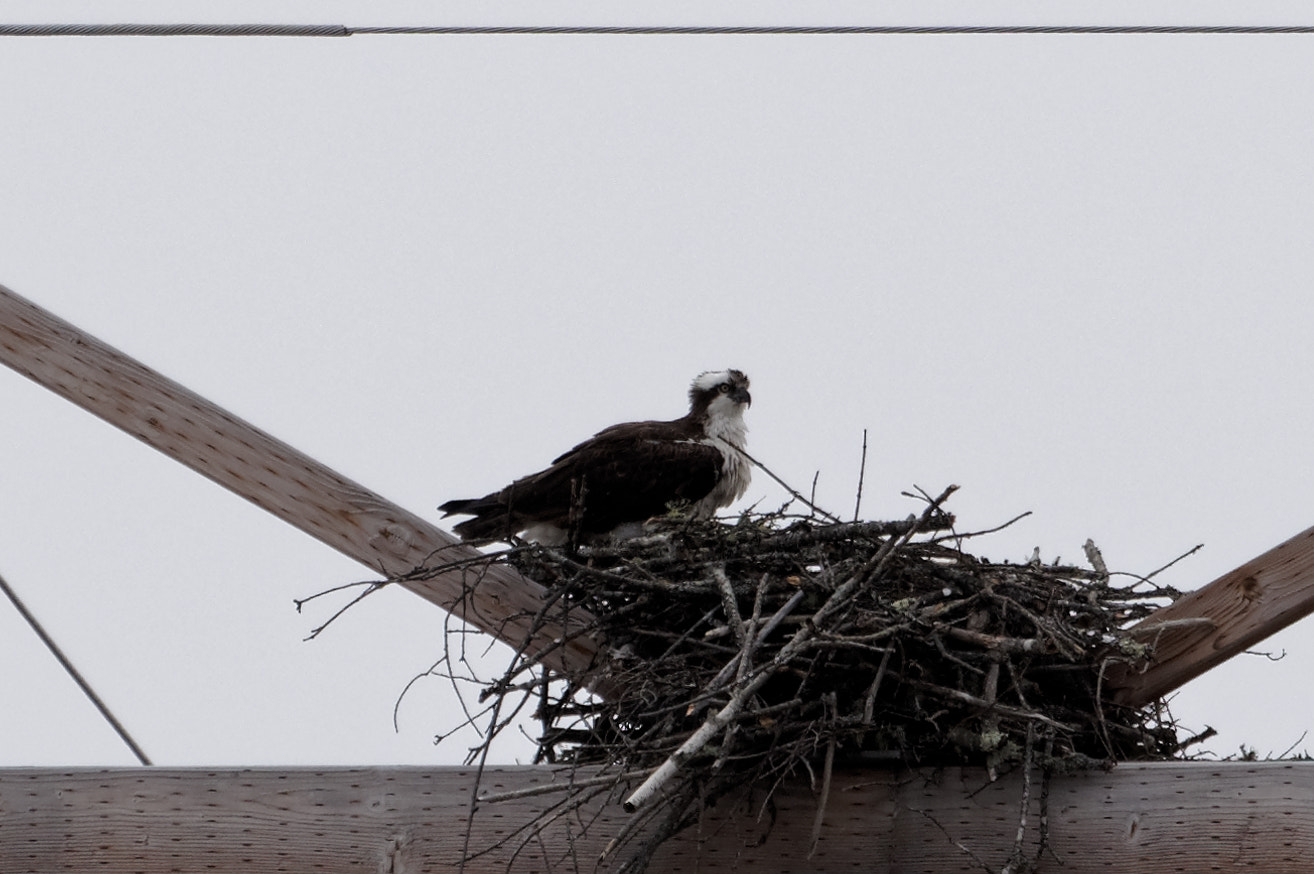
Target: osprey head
719 394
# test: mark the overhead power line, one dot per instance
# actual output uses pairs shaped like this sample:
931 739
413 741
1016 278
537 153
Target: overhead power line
339 30
835 30
173 30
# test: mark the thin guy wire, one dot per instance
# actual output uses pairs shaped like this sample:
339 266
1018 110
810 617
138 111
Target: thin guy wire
338 30
73 672
173 30
842 29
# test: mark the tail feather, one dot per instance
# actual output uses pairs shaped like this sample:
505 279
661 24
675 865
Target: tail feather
490 521
461 505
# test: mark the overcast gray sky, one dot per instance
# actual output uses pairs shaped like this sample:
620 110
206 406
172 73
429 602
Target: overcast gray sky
1069 273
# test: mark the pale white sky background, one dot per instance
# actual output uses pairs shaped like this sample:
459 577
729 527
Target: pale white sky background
1070 273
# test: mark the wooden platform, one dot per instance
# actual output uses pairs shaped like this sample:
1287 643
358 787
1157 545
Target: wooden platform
1185 816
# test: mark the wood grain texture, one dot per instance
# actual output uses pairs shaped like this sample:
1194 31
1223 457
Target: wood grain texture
1245 605
1148 818
271 474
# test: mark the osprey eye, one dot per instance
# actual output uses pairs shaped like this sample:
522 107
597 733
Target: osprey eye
723 388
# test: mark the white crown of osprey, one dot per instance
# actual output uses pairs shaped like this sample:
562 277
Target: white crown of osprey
712 378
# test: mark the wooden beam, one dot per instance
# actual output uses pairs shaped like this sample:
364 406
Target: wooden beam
271 474
1243 606
1246 605
1149 818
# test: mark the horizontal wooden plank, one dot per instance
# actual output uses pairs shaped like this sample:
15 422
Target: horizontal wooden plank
1243 606
1162 817
273 475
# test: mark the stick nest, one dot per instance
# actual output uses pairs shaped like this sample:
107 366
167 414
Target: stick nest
742 654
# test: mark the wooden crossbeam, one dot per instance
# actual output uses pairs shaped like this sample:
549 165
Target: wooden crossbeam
1198 631
1150 818
271 474
1207 627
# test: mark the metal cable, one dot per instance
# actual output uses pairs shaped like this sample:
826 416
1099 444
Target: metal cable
338 30
173 30
829 30
73 672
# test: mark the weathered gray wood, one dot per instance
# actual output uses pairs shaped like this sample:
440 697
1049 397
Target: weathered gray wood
1245 605
271 474
1148 818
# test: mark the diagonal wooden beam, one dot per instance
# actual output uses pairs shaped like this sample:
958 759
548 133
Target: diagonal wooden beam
1190 636
271 474
1207 627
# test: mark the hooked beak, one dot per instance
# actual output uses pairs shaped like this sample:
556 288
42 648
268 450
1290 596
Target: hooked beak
741 396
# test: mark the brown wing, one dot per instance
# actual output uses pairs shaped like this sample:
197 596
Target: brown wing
628 473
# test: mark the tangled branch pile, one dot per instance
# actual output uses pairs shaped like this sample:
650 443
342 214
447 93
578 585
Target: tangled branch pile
741 654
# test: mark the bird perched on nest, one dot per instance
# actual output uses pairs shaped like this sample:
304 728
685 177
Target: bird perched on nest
625 474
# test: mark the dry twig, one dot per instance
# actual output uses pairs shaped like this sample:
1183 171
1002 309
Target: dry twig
882 639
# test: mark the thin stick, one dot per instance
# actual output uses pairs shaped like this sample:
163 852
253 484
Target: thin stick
1016 861
1046 771
1158 628
473 806
969 698
957 843
869 705
787 487
845 531
1192 551
746 659
1210 731
994 642
977 533
731 606
301 602
374 587
862 473
730 666
573 785
73 672
1096 558
828 768
1152 574
1288 750
723 717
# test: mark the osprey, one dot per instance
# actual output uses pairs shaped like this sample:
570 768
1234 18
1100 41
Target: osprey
612 482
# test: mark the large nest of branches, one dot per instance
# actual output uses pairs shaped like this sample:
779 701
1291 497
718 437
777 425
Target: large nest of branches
740 654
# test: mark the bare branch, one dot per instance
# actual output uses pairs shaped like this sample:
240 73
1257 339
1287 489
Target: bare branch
862 474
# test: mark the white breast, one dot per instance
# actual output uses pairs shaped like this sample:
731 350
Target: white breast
728 433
